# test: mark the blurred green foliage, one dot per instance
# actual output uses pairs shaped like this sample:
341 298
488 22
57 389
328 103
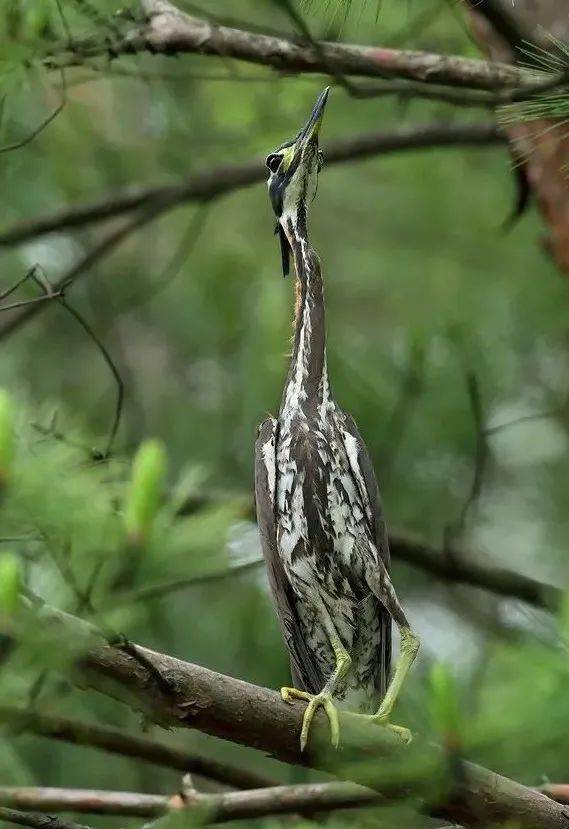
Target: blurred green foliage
423 287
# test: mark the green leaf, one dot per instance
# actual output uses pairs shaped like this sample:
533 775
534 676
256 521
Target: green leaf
6 437
444 704
10 583
148 476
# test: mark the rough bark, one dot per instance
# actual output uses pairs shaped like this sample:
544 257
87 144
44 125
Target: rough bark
170 31
177 694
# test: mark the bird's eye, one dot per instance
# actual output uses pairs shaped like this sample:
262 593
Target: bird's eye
319 160
273 162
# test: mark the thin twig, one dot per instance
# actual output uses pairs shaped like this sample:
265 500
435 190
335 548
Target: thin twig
37 821
213 808
80 268
174 266
82 801
112 366
158 591
23 142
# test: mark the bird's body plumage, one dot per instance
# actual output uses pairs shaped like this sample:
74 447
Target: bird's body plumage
318 508
328 523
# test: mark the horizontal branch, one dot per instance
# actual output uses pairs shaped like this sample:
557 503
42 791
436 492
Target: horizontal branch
453 566
119 742
460 567
36 820
177 694
278 800
211 184
170 31
85 801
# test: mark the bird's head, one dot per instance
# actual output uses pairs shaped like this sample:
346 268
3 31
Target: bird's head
293 169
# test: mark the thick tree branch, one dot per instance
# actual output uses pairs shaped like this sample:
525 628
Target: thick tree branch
128 745
256 717
211 184
170 31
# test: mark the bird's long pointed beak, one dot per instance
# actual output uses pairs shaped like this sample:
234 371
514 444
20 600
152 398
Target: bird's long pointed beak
312 127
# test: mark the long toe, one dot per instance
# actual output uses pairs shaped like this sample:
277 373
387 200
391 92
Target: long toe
323 700
400 731
288 694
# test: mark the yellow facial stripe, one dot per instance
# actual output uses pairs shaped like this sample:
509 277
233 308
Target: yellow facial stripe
288 155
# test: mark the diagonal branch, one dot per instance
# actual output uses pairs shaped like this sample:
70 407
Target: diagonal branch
91 258
210 184
256 717
114 741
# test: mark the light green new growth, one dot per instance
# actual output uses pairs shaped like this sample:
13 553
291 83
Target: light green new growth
10 583
6 437
143 501
443 700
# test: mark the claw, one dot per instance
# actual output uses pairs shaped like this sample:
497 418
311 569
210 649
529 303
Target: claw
400 731
321 700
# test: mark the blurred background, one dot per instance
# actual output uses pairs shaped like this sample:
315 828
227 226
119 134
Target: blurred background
441 327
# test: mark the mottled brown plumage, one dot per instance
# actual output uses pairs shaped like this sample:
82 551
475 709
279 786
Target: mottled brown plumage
318 506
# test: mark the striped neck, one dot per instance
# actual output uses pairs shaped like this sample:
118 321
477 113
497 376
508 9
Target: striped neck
307 382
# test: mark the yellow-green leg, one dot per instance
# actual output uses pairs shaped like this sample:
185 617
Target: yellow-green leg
380 584
324 698
407 654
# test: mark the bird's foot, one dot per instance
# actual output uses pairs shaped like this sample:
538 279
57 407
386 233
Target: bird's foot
381 719
315 701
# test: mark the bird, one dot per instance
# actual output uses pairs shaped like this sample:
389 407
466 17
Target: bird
320 517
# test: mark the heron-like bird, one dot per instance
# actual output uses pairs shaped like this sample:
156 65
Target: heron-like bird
318 507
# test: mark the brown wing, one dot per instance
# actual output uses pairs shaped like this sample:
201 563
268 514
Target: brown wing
305 672
362 469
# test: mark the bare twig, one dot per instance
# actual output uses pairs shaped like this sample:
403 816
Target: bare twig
89 260
37 821
176 263
214 808
85 801
202 187
114 741
48 293
157 591
454 529
112 366
410 389
507 24
23 142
